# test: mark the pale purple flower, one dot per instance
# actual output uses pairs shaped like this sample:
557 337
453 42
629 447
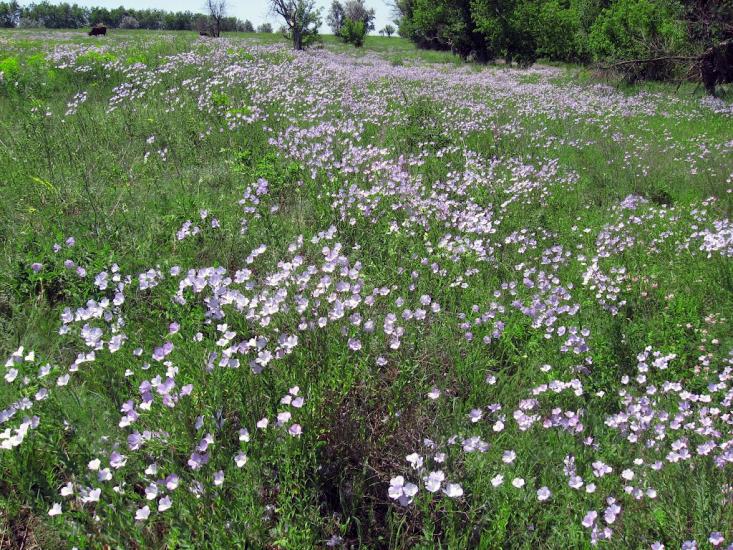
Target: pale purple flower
164 504
401 491
589 519
142 513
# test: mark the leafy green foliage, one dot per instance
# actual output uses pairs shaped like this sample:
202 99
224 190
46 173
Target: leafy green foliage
567 30
637 28
353 32
640 29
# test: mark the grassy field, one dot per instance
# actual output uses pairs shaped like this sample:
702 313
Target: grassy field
362 299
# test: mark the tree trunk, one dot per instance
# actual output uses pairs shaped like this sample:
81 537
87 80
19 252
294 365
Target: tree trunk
297 40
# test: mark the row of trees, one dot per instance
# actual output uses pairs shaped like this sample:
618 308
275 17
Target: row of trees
73 16
567 30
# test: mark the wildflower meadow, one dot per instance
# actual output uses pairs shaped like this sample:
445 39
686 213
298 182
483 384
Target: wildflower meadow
253 297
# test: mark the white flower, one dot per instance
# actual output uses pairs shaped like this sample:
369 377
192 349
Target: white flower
475 415
434 393
543 493
415 460
433 481
240 459
453 490
518 482
67 490
497 480
151 491
94 464
55 509
92 496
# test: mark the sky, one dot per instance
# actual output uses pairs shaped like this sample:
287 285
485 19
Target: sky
256 11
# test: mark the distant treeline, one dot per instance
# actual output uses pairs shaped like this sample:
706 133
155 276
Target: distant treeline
568 30
72 16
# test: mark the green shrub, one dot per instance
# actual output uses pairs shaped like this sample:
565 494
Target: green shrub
353 32
639 29
10 69
559 35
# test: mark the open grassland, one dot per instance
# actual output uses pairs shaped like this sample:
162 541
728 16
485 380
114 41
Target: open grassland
380 299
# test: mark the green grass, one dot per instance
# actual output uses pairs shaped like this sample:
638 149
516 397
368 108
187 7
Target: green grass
96 175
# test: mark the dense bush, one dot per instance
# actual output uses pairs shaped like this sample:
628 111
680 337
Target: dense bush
443 25
568 30
560 32
640 29
637 28
353 32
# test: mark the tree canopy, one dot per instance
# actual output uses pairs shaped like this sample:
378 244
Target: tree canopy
567 30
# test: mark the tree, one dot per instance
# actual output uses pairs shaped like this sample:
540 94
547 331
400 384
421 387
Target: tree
442 25
9 14
336 17
353 32
129 22
351 10
389 30
357 11
217 10
709 21
247 26
265 28
302 19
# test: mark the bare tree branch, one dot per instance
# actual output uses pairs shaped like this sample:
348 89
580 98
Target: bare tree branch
217 11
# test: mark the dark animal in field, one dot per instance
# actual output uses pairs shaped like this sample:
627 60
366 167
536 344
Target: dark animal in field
716 66
204 33
99 30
